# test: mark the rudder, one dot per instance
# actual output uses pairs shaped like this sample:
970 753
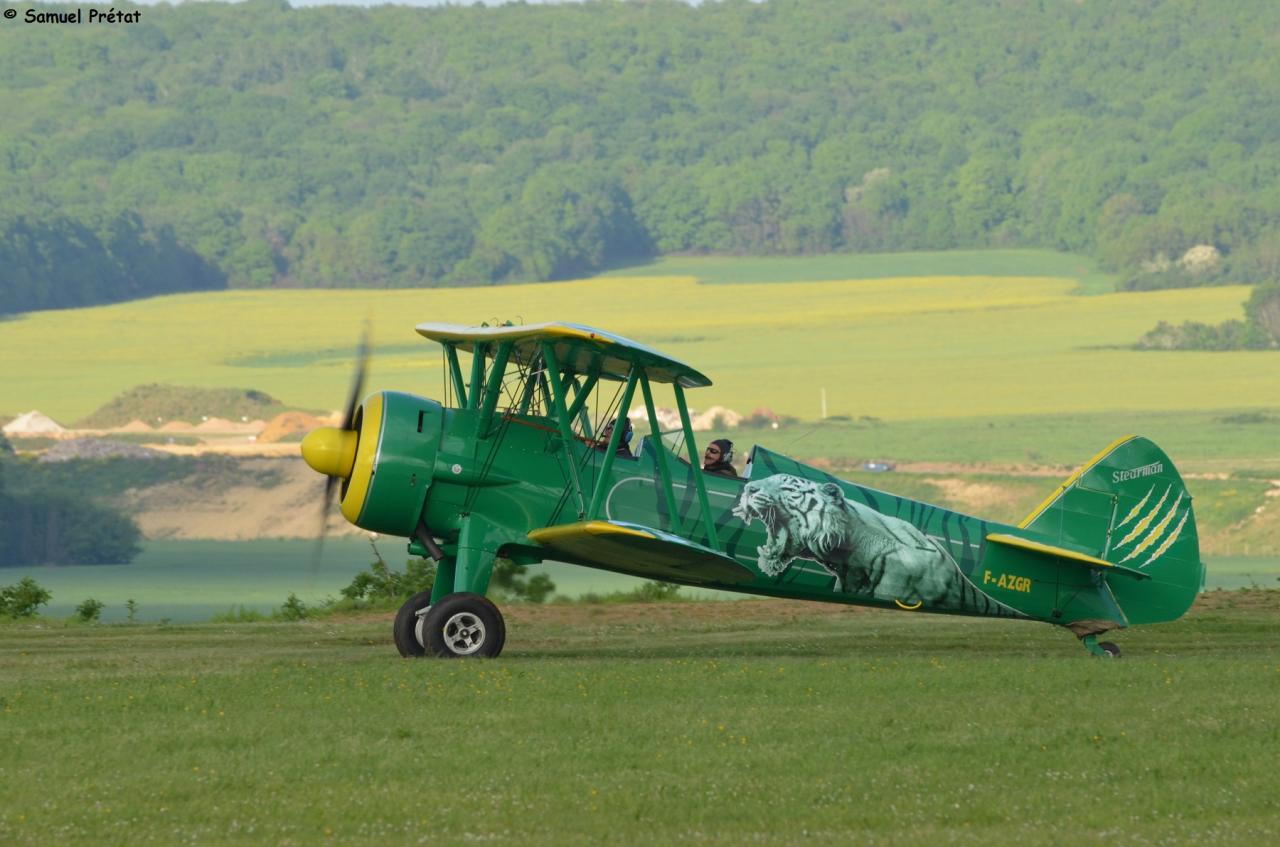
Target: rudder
1129 506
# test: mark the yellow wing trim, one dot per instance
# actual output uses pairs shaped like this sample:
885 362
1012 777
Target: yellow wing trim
449 332
366 458
1071 480
551 534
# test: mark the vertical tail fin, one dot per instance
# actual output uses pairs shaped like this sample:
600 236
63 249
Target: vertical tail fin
1129 506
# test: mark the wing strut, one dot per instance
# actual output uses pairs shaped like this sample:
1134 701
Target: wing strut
692 449
493 388
562 416
455 373
597 497
664 472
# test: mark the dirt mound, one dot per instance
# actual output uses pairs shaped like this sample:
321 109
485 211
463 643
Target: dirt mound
98 448
289 423
135 425
33 423
183 403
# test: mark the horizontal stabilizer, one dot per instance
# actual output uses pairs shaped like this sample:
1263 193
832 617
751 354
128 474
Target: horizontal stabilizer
1063 553
640 551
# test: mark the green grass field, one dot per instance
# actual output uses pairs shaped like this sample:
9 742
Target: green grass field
776 724
1198 440
899 349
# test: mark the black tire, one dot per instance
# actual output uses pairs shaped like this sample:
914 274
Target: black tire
464 625
404 630
1112 650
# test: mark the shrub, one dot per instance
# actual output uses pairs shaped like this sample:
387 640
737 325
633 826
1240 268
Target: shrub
379 582
654 592
509 580
90 610
647 592
236 614
293 609
23 598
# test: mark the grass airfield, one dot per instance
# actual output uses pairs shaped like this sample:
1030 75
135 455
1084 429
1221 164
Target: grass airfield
710 723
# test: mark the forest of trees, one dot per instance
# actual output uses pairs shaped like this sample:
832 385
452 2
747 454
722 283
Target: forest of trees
255 145
42 523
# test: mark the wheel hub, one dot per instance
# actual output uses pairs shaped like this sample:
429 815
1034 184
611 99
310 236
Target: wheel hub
464 633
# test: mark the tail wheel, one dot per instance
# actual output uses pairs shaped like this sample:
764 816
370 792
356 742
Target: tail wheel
405 630
1111 649
464 625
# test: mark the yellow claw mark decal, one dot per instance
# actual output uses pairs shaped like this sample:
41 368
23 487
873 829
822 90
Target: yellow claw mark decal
1133 513
1141 526
1168 541
902 605
1157 532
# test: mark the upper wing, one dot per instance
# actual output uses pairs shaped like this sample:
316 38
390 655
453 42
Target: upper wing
576 346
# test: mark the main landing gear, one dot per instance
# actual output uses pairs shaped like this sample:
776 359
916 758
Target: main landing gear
461 625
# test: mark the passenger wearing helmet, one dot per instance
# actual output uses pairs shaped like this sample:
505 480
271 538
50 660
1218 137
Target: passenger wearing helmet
718 458
624 443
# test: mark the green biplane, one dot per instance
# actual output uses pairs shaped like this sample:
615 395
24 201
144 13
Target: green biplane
514 464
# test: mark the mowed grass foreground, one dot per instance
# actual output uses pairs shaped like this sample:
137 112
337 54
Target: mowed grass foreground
710 723
907 348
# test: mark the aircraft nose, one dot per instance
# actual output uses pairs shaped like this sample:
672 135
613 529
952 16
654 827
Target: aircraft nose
331 451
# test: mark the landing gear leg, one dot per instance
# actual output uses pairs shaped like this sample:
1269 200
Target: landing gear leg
1104 649
455 619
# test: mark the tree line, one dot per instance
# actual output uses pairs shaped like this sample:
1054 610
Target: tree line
256 145
1260 329
53 525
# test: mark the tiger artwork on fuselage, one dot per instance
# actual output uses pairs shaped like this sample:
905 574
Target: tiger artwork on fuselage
867 552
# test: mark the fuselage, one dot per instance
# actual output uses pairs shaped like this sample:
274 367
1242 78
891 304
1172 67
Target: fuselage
434 461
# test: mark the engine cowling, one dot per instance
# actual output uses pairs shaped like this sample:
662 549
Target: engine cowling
385 460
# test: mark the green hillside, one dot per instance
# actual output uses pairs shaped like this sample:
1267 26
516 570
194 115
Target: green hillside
155 404
255 145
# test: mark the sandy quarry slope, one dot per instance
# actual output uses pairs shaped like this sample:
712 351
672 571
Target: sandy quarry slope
279 498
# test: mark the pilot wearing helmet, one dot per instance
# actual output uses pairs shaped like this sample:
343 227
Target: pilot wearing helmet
624 443
718 458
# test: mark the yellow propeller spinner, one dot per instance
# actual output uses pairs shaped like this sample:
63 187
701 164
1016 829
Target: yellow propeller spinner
331 451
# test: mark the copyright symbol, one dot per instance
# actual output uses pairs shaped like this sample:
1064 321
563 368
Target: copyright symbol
11 13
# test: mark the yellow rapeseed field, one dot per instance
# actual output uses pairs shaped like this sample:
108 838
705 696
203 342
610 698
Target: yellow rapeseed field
897 349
